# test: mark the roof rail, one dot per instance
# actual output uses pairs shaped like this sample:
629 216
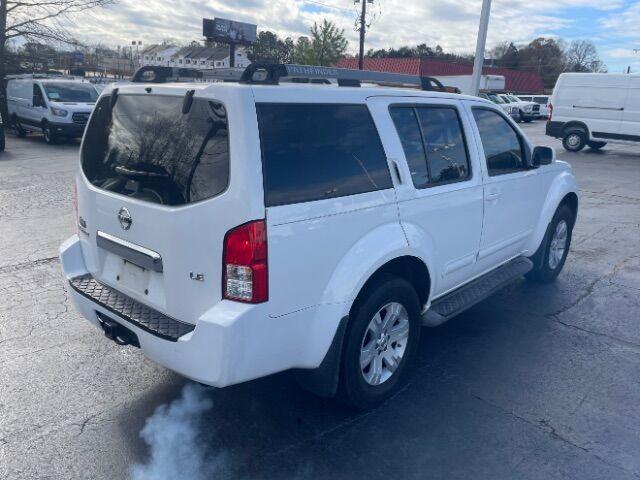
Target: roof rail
272 74
20 76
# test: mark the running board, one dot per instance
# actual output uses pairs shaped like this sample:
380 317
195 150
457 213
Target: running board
456 302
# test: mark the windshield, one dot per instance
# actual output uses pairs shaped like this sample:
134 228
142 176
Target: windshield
495 98
146 148
70 92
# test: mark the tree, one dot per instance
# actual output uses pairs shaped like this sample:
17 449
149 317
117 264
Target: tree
325 47
545 56
269 48
582 56
37 20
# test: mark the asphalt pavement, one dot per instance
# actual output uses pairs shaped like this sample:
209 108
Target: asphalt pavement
536 382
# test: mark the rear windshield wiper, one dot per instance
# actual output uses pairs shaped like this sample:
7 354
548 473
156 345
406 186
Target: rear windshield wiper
129 172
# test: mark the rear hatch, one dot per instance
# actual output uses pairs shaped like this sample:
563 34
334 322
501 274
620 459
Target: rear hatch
155 199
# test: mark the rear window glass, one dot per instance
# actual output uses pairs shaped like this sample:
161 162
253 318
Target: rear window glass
313 152
146 148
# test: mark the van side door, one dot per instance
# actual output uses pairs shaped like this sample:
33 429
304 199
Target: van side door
440 190
630 127
513 193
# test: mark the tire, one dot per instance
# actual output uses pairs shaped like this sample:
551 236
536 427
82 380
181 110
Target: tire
596 145
391 299
528 120
574 140
48 133
552 254
18 128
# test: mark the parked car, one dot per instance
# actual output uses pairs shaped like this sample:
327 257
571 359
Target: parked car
527 111
236 230
541 100
55 106
595 108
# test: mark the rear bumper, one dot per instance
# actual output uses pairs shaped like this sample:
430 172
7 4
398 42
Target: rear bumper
554 129
231 343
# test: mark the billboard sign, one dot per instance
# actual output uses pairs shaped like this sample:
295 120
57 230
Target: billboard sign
229 31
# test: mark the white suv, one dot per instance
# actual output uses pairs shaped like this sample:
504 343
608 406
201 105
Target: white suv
235 230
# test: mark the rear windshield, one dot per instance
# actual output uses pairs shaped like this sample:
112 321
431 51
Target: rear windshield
146 148
70 92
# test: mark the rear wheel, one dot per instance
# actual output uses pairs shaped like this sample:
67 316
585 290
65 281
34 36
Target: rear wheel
49 134
575 140
380 343
553 252
596 145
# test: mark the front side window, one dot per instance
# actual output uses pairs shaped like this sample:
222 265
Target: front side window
433 143
146 148
502 145
70 92
319 151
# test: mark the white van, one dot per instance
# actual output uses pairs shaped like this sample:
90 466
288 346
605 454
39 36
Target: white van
57 107
594 108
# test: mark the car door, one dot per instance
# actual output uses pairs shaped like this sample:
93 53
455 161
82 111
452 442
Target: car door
440 197
513 193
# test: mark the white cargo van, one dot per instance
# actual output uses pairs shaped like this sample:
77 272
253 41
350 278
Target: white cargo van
56 106
595 108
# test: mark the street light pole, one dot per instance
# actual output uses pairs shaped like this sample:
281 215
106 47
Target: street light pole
482 40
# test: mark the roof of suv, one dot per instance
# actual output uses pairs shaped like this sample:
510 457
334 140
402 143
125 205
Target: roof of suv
297 92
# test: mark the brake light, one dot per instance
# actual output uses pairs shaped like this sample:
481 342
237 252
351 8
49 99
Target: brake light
550 111
244 268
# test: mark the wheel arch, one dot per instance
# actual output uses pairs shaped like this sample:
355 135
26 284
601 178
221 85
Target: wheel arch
575 125
562 191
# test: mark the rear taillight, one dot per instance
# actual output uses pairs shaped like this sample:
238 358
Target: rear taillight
550 111
244 267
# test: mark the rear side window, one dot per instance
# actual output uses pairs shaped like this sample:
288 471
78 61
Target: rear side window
502 146
433 144
146 148
313 152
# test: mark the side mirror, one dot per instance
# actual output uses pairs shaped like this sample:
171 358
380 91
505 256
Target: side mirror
542 156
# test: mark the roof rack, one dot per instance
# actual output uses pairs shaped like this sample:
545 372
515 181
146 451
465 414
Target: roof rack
273 74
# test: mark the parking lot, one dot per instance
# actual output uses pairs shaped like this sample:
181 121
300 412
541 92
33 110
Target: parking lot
536 382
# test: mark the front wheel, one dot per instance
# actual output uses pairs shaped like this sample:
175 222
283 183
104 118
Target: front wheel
380 343
555 247
49 134
18 128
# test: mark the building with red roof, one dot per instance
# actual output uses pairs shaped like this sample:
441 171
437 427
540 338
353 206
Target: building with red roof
515 80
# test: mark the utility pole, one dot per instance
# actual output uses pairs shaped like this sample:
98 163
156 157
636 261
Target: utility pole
482 40
362 29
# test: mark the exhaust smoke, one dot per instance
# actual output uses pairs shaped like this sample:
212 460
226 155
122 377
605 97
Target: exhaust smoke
172 436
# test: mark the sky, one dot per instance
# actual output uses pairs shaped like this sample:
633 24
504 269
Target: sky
613 25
